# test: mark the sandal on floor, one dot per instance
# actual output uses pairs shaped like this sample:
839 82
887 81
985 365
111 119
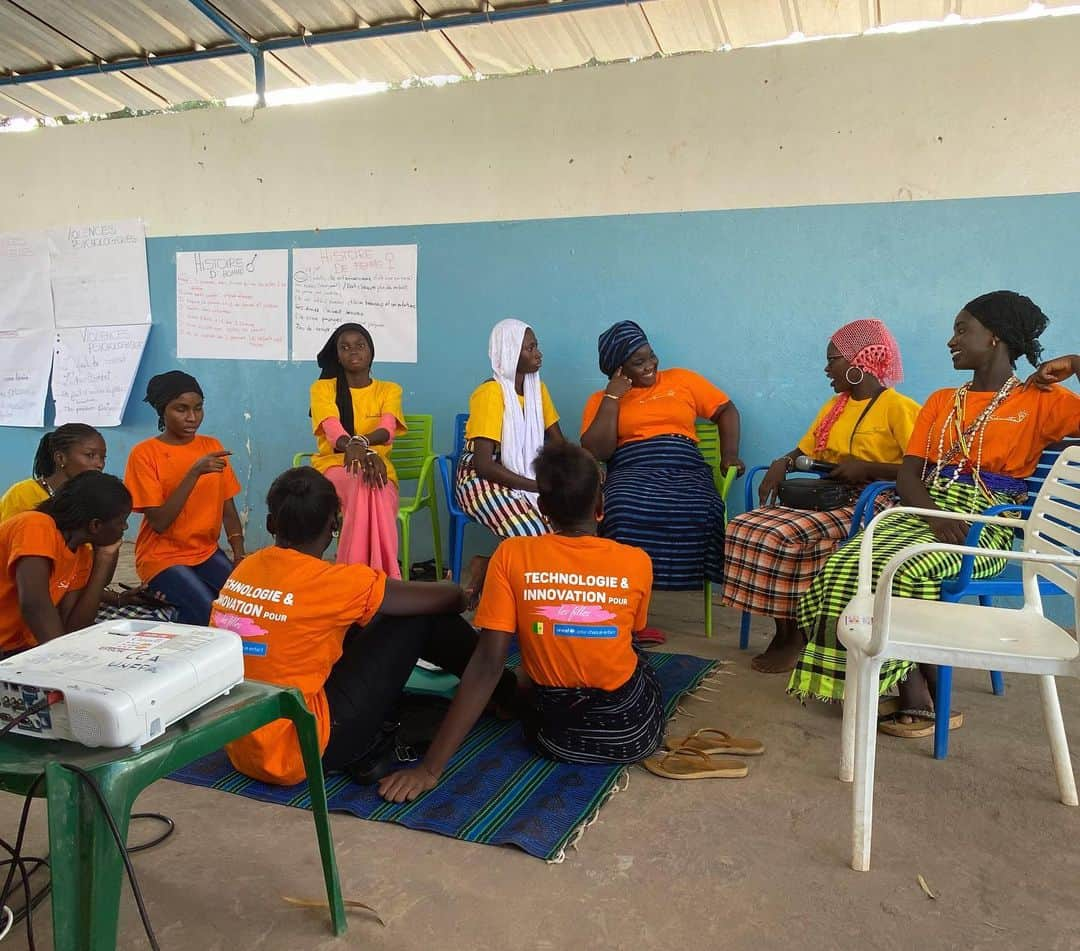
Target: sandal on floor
693 764
708 740
922 724
648 636
888 707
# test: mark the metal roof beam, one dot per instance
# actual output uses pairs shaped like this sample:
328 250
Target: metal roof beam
230 29
257 49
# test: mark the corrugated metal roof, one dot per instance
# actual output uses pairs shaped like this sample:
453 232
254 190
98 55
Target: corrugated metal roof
40 36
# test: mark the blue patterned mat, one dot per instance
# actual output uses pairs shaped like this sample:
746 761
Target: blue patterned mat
495 789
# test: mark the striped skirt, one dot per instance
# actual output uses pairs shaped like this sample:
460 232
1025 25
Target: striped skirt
587 725
504 511
772 554
660 496
819 672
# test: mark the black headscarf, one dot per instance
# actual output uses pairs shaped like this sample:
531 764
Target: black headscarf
331 369
165 387
1013 318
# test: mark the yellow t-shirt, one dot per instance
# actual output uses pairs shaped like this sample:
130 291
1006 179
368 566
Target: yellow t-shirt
22 497
882 434
369 404
486 411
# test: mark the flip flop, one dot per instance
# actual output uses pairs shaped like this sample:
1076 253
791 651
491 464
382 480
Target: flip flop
708 741
922 725
693 764
648 636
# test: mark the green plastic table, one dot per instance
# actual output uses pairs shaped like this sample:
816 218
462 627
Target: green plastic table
87 870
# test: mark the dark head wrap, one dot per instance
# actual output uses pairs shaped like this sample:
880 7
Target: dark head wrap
617 343
1013 318
331 369
165 387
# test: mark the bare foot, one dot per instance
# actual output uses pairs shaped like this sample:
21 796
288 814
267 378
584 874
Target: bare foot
783 651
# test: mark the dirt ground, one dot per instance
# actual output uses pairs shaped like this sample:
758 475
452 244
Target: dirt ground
756 863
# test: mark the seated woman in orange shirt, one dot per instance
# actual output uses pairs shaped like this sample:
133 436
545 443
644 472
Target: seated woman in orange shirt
346 636
184 486
355 418
659 494
58 559
971 447
573 600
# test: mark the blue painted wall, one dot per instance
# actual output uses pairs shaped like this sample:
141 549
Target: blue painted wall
748 298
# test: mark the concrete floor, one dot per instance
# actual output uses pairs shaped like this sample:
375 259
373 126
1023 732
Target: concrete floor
756 863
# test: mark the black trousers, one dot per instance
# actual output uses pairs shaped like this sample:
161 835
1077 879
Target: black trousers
369 677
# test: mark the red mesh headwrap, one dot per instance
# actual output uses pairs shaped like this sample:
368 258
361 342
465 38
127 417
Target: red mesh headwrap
868 345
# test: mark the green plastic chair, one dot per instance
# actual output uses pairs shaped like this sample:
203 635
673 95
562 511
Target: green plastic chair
414 460
87 870
709 445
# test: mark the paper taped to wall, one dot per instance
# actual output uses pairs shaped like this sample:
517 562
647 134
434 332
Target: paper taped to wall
374 286
25 294
99 274
25 358
232 305
93 370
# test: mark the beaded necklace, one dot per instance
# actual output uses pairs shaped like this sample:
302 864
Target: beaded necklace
959 454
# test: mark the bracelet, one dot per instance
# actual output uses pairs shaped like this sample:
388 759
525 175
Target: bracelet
362 440
610 396
788 463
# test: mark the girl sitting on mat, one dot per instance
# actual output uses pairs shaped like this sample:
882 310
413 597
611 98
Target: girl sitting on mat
184 486
61 455
346 636
573 601
58 559
355 419
510 418
972 447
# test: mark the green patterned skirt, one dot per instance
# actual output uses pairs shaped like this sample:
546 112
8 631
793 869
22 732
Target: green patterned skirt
819 672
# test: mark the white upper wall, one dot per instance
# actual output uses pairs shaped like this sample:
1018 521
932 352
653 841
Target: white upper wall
962 112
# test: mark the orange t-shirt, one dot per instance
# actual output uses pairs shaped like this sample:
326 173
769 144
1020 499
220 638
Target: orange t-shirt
671 406
292 612
154 470
574 604
36 534
1014 438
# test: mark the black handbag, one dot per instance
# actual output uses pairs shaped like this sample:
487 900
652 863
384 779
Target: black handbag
823 495
817 495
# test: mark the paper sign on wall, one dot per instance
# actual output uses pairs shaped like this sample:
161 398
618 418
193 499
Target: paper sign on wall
99 274
373 286
232 304
25 358
93 370
25 295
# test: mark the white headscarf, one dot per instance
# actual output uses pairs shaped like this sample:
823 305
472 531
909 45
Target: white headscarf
522 430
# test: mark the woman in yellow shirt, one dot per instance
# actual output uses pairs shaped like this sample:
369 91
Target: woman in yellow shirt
773 553
61 455
511 416
355 419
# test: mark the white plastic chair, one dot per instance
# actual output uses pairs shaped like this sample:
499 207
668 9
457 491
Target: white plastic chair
877 626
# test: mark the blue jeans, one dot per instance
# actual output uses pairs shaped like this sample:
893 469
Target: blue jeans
191 589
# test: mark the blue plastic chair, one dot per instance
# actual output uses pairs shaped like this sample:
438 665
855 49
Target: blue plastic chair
1007 584
458 518
864 510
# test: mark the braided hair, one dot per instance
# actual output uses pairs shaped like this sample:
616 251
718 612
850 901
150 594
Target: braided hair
568 480
62 439
300 502
331 369
88 496
1013 318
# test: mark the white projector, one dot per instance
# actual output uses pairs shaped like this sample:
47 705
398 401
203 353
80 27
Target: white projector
123 682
